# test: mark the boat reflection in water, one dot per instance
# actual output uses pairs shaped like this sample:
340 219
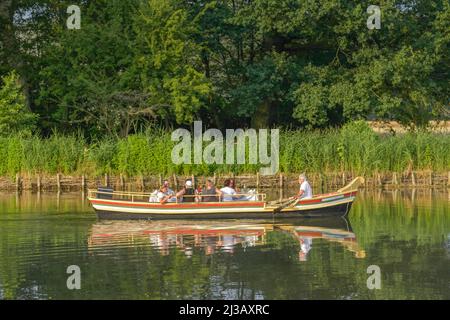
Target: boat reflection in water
333 230
221 235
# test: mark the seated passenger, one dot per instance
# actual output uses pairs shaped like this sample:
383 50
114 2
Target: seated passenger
164 195
233 186
228 193
167 184
210 193
305 191
187 194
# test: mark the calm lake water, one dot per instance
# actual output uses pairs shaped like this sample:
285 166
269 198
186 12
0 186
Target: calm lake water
405 233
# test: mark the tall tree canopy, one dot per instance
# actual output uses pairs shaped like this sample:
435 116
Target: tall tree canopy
229 62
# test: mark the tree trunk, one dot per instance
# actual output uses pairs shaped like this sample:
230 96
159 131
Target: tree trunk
261 118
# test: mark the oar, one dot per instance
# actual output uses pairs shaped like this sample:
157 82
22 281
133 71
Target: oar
276 202
290 203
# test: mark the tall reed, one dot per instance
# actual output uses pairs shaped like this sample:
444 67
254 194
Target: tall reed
354 148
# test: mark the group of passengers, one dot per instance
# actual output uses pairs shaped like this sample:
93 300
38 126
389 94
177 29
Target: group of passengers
229 192
190 194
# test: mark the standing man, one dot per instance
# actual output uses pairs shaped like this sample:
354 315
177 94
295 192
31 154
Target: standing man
305 191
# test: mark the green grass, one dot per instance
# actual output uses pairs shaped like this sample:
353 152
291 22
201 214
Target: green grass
354 148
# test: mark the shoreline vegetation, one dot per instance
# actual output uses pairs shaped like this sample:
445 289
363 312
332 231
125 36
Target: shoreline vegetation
320 182
330 157
73 109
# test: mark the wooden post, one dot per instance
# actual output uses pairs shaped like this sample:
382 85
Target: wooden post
83 183
58 181
343 178
38 184
193 180
215 178
142 183
58 199
83 198
431 178
281 180
413 178
394 178
18 182
257 180
379 180
160 180
106 180
122 182
175 181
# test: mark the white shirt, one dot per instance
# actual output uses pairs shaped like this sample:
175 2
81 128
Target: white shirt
161 195
305 244
228 193
307 191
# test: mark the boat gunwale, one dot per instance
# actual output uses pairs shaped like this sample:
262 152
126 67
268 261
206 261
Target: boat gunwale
245 205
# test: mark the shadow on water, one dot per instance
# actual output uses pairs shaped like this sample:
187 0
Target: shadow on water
406 233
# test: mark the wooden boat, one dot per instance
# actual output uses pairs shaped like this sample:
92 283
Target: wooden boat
110 204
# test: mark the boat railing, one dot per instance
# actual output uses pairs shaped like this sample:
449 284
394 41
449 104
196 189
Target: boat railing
145 196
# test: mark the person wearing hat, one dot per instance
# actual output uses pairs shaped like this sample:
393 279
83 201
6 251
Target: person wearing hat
187 194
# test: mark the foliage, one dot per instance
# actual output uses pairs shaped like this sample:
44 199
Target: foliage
286 63
14 115
354 148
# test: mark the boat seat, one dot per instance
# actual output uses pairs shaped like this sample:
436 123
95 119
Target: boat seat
108 195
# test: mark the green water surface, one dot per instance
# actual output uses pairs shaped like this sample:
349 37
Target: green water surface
405 233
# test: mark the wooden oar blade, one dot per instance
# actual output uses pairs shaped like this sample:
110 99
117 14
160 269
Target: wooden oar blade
278 202
290 202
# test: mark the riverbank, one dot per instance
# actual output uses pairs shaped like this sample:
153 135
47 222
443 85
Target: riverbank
414 158
321 182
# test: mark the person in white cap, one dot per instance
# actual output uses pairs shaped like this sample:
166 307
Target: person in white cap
305 191
187 194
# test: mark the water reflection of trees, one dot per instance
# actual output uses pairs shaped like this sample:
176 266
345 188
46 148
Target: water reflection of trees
405 236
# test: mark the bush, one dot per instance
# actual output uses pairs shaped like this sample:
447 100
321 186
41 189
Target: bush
14 115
